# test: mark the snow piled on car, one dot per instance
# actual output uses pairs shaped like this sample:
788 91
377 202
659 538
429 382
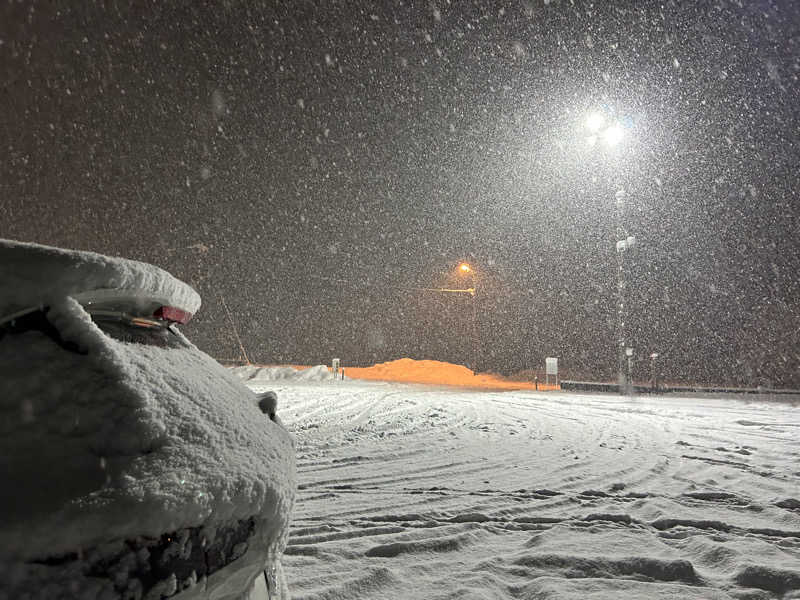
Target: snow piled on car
118 443
35 275
120 446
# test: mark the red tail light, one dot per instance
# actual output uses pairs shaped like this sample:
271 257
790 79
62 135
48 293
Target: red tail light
170 313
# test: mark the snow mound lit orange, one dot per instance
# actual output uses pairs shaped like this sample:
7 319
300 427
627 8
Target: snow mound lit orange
435 372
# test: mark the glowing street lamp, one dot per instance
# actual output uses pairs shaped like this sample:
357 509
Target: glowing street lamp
464 269
613 135
601 128
595 121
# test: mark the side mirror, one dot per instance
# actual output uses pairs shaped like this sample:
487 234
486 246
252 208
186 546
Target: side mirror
268 403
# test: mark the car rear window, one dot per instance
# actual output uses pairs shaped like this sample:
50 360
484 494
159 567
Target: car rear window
125 331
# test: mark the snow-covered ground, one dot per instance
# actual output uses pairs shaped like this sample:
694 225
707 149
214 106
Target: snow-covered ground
411 491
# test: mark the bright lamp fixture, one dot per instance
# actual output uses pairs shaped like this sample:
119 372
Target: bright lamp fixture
595 122
613 135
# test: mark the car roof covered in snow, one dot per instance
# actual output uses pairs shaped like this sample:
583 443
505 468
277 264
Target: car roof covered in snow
36 275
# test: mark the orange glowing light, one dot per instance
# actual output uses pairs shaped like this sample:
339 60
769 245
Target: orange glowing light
465 268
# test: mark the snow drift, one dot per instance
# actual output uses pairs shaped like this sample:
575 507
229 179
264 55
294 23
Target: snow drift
254 373
406 370
435 372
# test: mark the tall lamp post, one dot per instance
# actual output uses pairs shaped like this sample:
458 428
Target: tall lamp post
610 133
466 269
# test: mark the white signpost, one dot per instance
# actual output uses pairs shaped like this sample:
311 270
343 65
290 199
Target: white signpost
335 368
550 368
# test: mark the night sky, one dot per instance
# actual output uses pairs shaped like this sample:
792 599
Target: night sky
315 164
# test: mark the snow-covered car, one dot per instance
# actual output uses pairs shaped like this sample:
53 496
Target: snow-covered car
132 465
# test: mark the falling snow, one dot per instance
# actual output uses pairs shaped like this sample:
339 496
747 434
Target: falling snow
318 172
411 138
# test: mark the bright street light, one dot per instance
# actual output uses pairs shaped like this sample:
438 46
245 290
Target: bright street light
595 122
602 128
613 135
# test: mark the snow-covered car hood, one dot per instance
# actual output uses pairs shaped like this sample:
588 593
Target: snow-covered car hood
128 441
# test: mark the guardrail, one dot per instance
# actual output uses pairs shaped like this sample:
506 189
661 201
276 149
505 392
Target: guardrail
599 386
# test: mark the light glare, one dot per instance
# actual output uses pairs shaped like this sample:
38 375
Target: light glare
613 135
595 122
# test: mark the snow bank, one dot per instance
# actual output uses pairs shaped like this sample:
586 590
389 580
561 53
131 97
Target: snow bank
35 275
255 373
435 372
406 370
